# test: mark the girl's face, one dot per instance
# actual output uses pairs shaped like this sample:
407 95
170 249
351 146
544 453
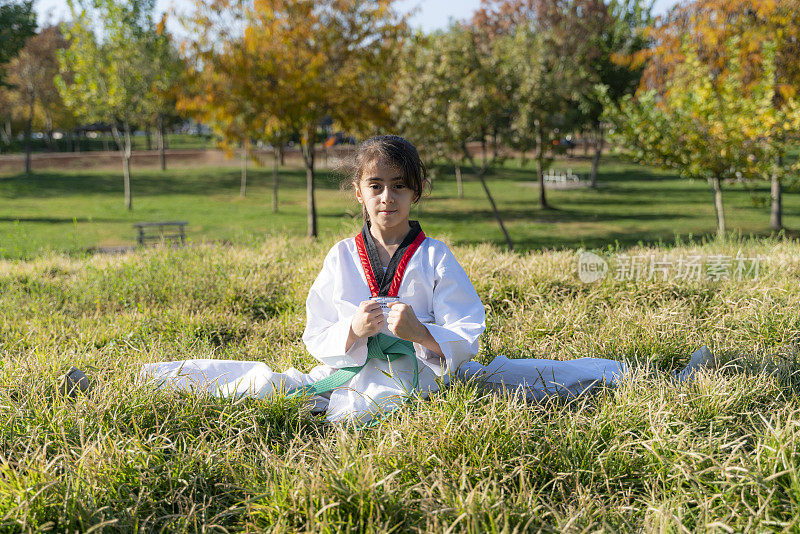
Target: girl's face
384 195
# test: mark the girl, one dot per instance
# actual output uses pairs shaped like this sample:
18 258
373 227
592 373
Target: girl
391 312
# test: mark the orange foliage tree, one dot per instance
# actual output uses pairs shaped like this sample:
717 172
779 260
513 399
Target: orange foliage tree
275 66
757 25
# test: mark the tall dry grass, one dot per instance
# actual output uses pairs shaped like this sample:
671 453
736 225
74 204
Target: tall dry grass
718 454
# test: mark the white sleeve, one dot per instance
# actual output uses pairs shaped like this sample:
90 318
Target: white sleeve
459 317
327 327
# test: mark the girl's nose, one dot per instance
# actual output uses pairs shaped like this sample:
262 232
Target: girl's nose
386 195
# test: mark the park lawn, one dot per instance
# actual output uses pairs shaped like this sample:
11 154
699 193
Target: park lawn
719 454
79 210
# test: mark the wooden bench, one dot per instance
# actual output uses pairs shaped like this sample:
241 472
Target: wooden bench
171 231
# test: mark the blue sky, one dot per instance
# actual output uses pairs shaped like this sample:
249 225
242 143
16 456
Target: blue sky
431 15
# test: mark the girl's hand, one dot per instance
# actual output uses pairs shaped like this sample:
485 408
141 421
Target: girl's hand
403 323
367 320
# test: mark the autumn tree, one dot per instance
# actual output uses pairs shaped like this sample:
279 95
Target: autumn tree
110 57
17 23
330 58
32 73
705 125
219 80
759 25
285 65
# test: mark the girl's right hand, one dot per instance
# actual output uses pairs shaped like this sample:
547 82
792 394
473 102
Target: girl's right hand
367 320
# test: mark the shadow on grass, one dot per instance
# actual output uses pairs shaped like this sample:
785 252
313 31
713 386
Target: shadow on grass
149 183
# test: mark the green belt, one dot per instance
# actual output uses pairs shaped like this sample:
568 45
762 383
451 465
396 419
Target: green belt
381 347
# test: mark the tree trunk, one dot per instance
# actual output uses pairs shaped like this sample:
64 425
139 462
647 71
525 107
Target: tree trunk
598 150
776 208
5 132
275 160
540 170
480 174
148 138
585 144
127 168
716 189
160 133
308 159
459 184
124 144
243 187
28 128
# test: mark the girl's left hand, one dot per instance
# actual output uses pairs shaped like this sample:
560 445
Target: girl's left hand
403 323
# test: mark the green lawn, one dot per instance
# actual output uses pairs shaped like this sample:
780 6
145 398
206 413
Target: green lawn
77 210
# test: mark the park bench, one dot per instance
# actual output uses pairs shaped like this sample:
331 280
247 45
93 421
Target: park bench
172 231
555 177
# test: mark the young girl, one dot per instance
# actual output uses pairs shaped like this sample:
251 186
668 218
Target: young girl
391 312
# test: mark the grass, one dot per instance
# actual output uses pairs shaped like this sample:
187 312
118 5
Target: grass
718 454
72 211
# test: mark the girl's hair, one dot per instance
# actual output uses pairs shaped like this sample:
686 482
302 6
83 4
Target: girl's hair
390 150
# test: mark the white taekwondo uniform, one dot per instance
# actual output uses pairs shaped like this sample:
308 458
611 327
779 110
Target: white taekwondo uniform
422 273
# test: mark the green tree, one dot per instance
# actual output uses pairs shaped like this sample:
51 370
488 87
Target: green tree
448 94
17 23
548 71
110 56
167 73
617 41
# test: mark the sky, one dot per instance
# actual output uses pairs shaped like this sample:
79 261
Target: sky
432 14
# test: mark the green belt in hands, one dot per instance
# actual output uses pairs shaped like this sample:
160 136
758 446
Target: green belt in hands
381 347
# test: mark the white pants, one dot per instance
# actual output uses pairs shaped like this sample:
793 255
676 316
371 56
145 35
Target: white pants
537 379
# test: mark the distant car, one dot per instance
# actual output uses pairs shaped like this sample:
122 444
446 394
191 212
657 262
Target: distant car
564 143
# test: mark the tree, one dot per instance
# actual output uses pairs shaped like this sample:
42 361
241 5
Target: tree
32 73
617 41
421 97
280 66
325 59
168 69
758 25
705 125
110 56
448 94
220 81
17 23
546 68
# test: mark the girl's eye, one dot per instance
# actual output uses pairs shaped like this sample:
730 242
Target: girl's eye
400 186
374 187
